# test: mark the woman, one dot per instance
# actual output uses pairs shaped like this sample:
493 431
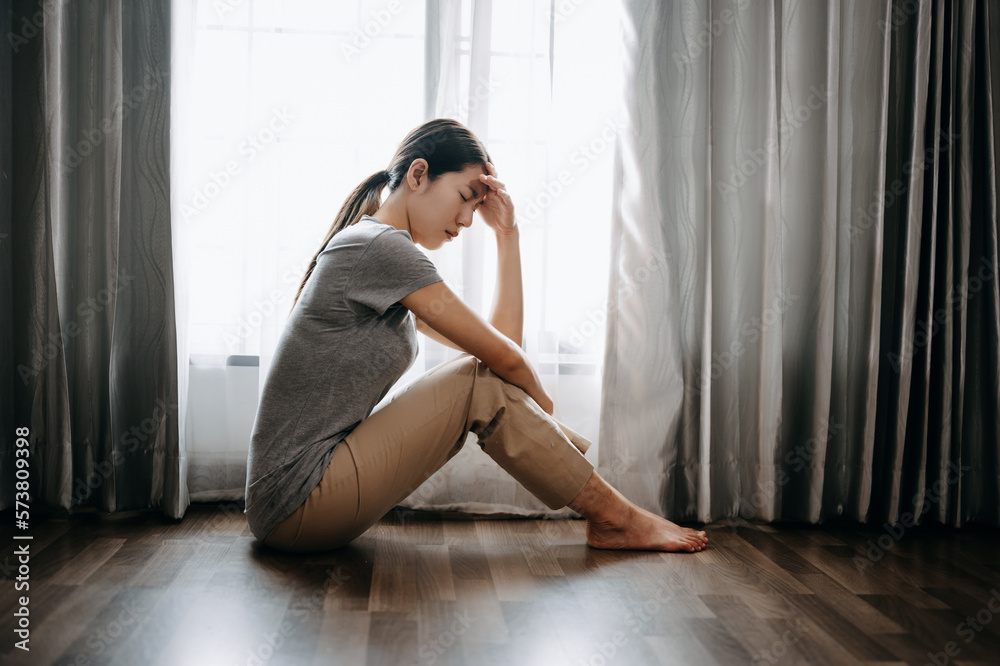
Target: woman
323 467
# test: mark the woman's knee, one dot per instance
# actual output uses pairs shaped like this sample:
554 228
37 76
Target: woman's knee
466 363
458 374
460 368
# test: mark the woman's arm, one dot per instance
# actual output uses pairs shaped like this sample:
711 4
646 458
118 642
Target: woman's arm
507 315
444 311
434 335
508 301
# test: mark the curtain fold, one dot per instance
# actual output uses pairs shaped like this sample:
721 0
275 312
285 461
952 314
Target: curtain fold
92 333
814 186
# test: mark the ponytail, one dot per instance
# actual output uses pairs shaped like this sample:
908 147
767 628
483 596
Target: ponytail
364 200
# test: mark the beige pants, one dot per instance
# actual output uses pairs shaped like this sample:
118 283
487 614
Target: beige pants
388 455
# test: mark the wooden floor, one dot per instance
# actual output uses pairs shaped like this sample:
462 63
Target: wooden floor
136 589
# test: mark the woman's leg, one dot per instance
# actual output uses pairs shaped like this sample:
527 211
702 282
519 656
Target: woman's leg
615 522
392 452
337 489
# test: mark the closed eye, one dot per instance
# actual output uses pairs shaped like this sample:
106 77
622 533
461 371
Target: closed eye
464 199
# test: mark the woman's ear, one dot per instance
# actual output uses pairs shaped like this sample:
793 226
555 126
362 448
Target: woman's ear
416 175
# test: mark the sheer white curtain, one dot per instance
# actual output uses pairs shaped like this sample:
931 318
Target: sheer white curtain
283 107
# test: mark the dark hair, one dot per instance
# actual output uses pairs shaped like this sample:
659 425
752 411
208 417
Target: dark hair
446 144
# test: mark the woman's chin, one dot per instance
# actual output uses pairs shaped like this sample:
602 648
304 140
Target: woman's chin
432 246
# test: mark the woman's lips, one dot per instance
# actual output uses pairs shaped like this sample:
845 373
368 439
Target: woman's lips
448 234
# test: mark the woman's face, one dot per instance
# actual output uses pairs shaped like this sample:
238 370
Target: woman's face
444 206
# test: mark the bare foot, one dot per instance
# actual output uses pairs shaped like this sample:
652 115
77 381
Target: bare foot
613 522
643 530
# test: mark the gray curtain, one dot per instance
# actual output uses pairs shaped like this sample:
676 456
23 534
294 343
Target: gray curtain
803 321
89 347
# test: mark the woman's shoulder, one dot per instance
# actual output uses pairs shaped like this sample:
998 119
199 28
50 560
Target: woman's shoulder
357 235
368 231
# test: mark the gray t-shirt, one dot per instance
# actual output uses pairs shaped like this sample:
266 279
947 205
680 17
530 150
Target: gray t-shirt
345 344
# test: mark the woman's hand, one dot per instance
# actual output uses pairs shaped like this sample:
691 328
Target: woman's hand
497 210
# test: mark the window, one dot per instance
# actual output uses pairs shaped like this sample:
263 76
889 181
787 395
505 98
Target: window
289 104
